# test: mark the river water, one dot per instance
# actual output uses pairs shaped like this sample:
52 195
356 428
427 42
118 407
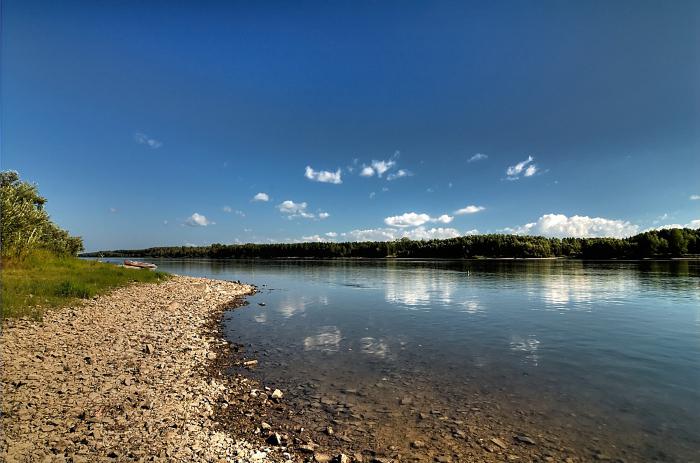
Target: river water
590 359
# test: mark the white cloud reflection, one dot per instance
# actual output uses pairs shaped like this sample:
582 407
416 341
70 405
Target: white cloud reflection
374 347
577 289
471 307
419 288
528 345
327 340
290 307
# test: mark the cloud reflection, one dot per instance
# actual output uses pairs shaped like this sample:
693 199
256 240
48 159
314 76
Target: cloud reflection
419 288
375 347
471 307
529 345
327 340
290 307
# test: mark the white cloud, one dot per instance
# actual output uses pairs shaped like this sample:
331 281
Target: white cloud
314 239
372 195
473 231
227 209
382 166
143 139
422 233
559 225
471 209
331 234
523 167
113 210
692 224
399 174
294 210
413 219
261 197
409 219
198 220
371 234
694 197
477 157
530 170
390 234
367 171
323 176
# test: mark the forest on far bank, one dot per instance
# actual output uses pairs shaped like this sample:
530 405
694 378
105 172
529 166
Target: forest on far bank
676 242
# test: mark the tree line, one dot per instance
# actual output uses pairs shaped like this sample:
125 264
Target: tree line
652 244
24 223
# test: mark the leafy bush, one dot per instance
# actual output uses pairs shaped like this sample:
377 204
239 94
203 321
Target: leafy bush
24 223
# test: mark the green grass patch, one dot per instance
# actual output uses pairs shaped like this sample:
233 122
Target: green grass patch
42 281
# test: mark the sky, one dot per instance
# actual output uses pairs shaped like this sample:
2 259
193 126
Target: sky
196 122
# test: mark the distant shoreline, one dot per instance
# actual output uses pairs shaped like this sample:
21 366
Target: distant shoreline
403 259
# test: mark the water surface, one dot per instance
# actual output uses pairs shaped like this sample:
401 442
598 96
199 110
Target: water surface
605 356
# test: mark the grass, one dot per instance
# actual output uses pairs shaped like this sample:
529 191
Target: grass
42 281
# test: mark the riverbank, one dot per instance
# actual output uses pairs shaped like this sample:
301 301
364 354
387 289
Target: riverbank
41 281
122 377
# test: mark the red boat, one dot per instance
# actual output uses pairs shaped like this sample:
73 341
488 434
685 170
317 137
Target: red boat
137 264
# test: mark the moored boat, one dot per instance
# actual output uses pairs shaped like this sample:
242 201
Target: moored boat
137 264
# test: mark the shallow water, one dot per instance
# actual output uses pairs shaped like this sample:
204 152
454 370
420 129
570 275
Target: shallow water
604 355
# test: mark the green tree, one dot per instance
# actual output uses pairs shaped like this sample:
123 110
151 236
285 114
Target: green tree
25 224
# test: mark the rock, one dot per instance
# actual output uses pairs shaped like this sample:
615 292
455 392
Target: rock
525 440
274 439
406 401
417 444
211 356
149 349
444 459
499 442
307 448
265 426
262 304
277 394
322 457
342 458
250 363
329 430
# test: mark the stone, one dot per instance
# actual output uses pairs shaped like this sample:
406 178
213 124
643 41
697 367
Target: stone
417 444
274 439
265 426
525 439
322 457
499 442
277 394
307 448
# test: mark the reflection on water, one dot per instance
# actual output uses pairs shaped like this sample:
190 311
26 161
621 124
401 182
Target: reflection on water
327 340
593 347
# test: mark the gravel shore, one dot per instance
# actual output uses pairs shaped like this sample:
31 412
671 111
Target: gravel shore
122 377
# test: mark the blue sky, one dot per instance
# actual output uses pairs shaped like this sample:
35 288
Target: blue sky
157 123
